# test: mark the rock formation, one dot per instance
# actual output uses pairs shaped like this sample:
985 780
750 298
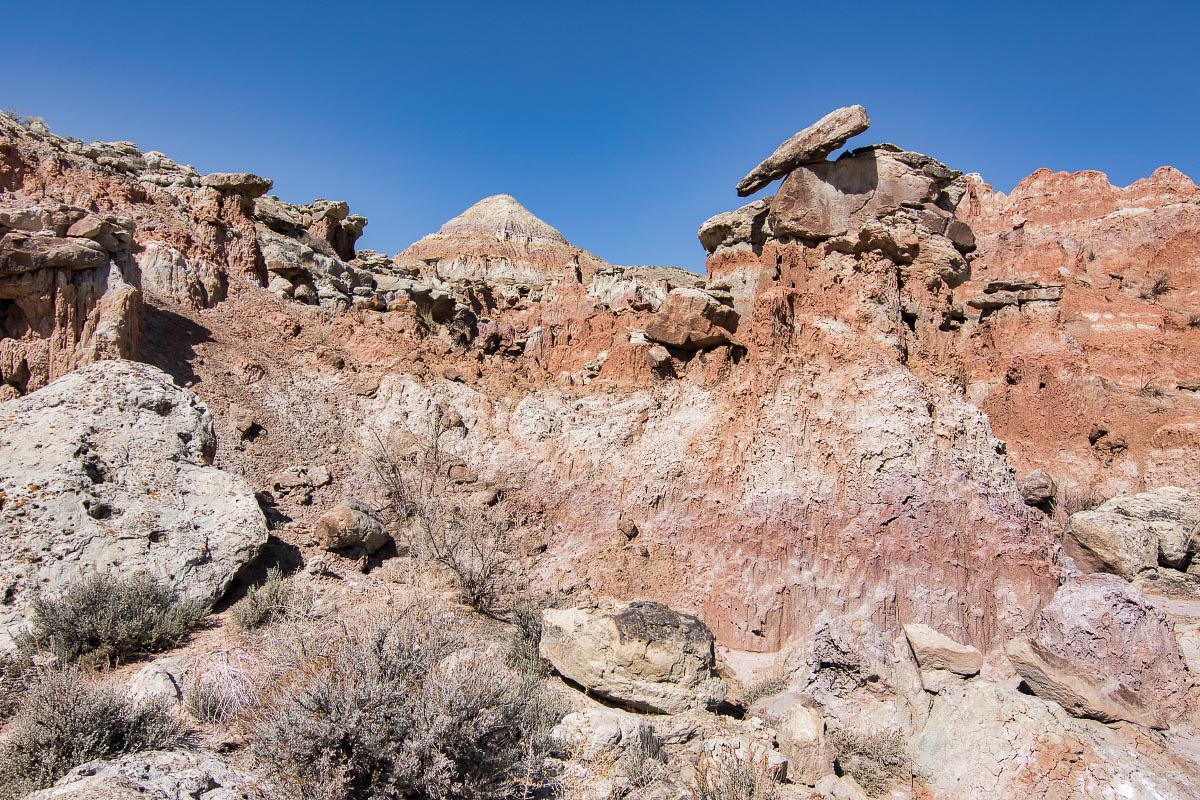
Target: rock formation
109 468
851 449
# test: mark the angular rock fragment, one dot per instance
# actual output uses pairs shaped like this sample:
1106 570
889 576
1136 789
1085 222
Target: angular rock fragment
812 144
692 319
935 650
1131 533
351 524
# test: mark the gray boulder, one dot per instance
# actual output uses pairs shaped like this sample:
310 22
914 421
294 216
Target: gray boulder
160 775
109 468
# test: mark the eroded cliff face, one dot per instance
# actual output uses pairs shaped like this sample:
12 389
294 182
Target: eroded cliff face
802 433
1098 384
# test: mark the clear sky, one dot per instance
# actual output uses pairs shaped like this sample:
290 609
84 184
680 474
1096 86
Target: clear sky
623 124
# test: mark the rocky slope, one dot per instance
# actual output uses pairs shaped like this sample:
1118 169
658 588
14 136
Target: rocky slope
820 448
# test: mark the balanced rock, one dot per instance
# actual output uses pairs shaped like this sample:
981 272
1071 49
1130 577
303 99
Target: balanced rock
351 524
243 183
109 468
640 654
1102 652
812 144
1135 532
692 319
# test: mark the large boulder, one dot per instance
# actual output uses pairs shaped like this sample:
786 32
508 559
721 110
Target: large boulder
831 198
109 468
640 654
1101 651
692 319
812 144
1135 532
160 775
985 741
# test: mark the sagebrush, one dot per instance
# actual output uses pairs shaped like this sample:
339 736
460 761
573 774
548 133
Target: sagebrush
470 539
877 761
275 599
398 709
105 620
65 721
724 776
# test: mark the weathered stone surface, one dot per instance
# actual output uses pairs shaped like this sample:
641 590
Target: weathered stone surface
1102 652
819 201
1038 488
937 651
812 144
243 183
160 775
692 319
597 731
351 524
1131 533
109 468
985 741
863 681
800 735
639 654
748 225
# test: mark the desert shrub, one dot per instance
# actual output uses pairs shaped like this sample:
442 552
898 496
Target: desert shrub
525 637
724 776
1193 320
16 672
643 760
398 709
876 760
1160 286
767 686
104 620
1071 500
65 721
472 541
222 687
275 599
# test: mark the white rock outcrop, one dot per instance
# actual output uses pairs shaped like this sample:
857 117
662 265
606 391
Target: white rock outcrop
109 468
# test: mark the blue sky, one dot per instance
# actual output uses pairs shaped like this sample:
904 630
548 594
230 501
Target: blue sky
624 124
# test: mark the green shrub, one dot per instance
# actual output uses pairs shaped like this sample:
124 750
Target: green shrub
397 710
66 721
104 620
876 760
276 599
